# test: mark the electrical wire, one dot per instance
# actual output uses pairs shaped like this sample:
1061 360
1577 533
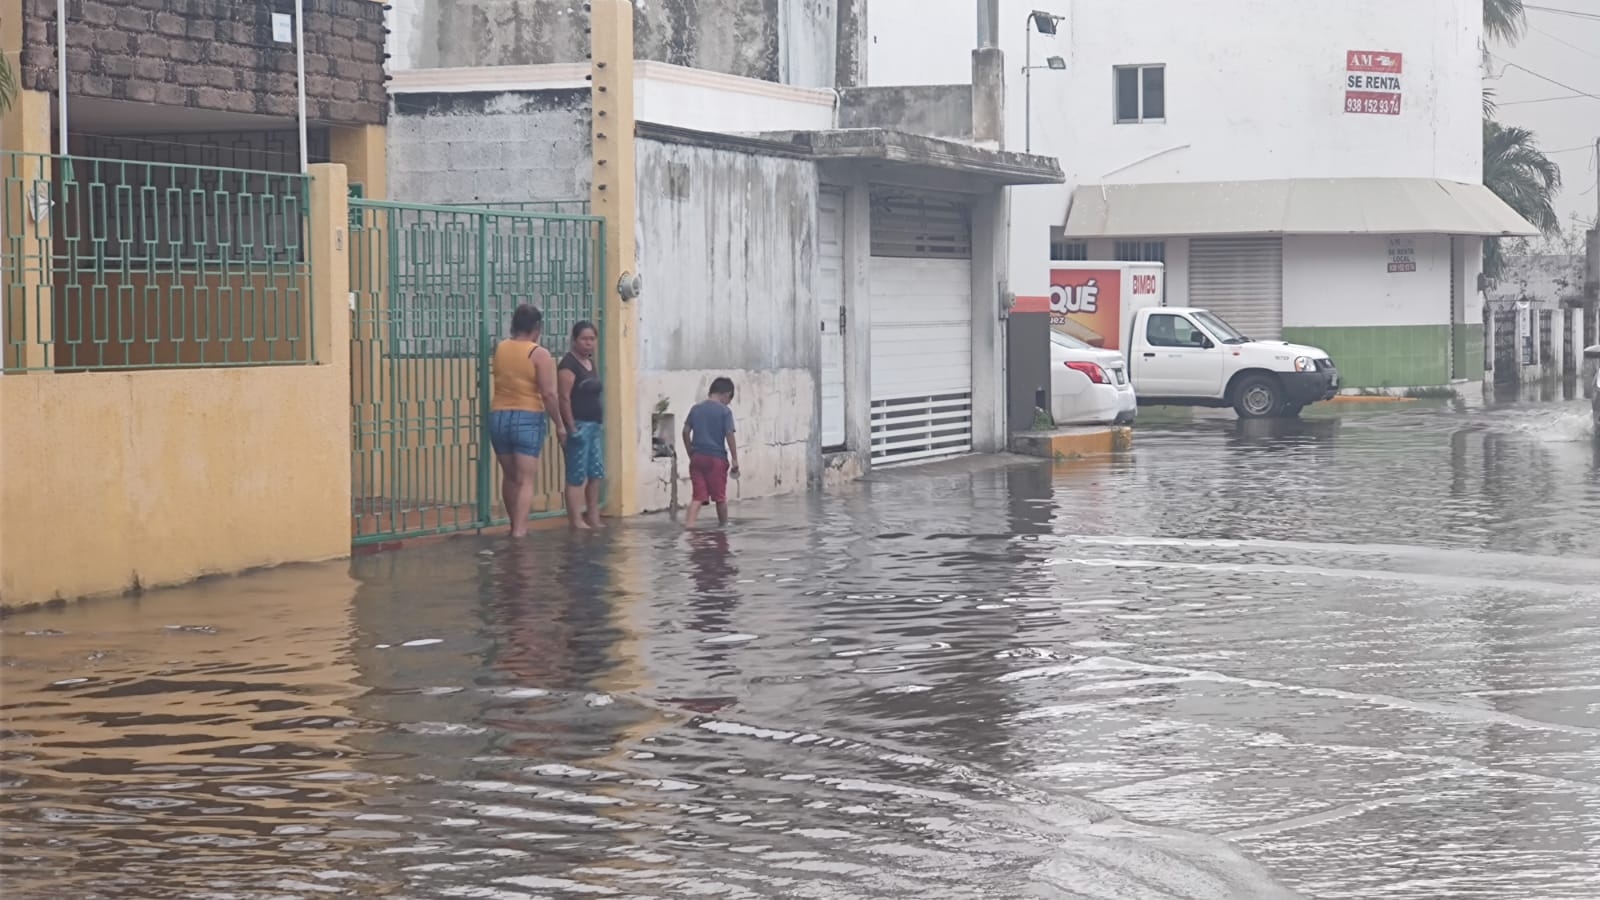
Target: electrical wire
1561 40
1543 100
1562 12
1508 64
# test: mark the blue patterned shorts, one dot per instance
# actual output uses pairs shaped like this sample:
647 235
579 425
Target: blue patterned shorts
517 431
586 454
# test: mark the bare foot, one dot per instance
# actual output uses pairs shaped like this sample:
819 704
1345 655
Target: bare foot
581 526
596 524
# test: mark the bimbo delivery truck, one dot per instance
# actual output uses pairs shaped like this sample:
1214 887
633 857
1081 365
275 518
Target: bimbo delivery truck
1179 355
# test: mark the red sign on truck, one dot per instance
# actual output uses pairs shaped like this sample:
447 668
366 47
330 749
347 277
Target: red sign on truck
1087 304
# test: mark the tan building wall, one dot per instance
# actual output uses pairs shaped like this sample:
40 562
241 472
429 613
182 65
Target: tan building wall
114 480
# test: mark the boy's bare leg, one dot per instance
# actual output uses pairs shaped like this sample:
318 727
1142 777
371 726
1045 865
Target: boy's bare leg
722 513
694 513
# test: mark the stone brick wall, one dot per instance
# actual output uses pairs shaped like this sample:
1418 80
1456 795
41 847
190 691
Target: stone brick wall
214 54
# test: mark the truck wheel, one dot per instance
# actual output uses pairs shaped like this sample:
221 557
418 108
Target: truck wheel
1258 397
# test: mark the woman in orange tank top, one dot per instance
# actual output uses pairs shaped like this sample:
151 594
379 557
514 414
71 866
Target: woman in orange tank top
524 376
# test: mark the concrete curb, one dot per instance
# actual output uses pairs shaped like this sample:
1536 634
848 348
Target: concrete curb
1068 444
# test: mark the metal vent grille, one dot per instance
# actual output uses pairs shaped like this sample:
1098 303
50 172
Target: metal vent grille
918 226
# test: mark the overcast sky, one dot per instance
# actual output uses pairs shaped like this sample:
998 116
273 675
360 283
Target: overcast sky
1561 47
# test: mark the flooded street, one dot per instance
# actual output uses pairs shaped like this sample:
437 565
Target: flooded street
1354 656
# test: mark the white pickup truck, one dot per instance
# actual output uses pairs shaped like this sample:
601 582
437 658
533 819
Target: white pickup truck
1183 356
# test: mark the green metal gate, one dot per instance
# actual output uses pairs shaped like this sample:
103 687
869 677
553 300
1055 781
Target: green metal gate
432 289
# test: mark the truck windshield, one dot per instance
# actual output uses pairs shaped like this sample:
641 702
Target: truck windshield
1224 332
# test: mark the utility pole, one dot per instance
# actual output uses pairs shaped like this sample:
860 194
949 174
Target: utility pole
1591 281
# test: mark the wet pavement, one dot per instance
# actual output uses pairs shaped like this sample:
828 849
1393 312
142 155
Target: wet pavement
1354 656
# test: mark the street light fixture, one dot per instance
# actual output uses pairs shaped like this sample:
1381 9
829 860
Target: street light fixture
1044 23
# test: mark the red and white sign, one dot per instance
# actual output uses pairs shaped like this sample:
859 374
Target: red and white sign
1372 82
1372 61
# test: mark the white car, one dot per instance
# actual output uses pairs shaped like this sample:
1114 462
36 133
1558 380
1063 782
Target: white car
1088 385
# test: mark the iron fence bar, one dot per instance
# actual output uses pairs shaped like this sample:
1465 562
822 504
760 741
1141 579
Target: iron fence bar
468 210
153 265
485 379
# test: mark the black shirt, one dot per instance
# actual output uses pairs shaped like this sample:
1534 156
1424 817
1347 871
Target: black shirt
586 390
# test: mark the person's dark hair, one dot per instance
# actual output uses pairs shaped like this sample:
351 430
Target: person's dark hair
527 319
582 326
723 386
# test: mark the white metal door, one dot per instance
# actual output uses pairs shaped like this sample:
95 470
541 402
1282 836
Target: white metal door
1241 280
921 336
830 313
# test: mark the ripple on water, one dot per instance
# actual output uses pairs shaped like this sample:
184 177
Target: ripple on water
1226 666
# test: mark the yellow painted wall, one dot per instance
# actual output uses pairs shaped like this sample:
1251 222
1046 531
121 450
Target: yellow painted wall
163 476
108 479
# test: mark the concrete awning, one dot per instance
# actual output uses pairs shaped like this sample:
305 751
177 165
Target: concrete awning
1292 206
909 156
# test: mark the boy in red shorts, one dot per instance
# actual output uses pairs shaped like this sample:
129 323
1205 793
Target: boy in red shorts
713 450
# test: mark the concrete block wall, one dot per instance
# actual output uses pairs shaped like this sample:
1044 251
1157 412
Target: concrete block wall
213 54
490 148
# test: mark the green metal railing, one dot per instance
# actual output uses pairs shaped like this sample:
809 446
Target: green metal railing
433 289
546 207
122 264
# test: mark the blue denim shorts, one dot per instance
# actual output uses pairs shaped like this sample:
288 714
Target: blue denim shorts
586 454
515 431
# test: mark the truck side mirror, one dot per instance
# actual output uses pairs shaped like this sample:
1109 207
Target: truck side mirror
1207 343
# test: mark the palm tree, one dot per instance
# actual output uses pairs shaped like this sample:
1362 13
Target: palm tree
8 84
1504 20
1519 173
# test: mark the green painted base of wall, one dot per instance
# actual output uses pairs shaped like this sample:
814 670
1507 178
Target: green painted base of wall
1385 356
1469 361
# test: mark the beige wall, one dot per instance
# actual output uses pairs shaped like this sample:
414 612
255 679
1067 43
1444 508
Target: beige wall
111 479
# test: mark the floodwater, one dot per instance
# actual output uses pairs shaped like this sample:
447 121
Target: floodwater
1354 656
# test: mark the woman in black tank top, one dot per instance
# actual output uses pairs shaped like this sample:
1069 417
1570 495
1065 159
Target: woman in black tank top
582 397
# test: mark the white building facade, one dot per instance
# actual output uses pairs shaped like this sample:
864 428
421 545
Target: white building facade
1309 170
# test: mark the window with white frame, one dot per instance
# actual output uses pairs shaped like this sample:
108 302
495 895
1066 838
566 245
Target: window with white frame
1141 94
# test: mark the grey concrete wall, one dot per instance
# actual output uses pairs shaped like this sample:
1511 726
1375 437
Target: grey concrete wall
1027 367
935 110
807 40
990 239
727 248
728 242
486 148
775 40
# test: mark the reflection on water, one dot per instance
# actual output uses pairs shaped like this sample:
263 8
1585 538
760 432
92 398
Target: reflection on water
1353 656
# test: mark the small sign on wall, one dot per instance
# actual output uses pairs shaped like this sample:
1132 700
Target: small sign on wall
1372 82
1402 255
283 28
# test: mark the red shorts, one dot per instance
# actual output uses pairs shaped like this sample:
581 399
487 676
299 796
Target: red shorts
709 475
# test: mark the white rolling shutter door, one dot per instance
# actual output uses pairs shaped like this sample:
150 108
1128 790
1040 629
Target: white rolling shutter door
921 340
1241 280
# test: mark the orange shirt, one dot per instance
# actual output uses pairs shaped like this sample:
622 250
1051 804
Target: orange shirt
516 385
